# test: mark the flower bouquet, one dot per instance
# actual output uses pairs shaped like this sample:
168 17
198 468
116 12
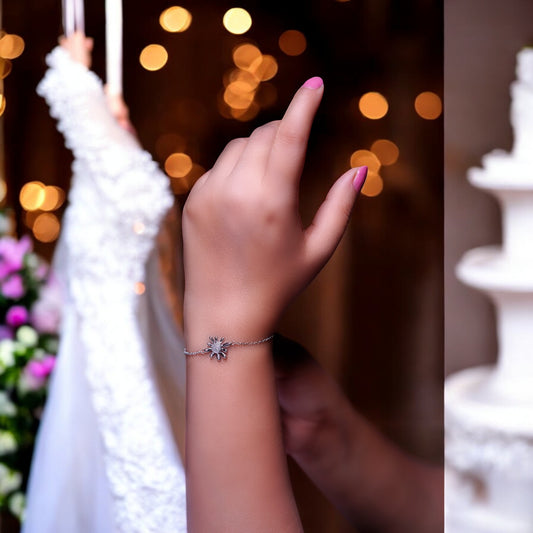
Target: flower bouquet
29 319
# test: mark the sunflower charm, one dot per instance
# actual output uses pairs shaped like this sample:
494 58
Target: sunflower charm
217 348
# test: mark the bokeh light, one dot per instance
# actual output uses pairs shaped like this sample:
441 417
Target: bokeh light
243 76
153 57
46 227
184 184
175 19
365 158
11 46
238 95
373 184
178 165
245 54
32 195
3 190
246 114
53 198
373 105
292 42
5 68
428 105
386 151
264 67
139 288
138 227
237 20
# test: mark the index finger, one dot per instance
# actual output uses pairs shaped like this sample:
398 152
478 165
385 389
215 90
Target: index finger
287 155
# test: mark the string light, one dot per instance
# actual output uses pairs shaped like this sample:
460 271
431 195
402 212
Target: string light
53 198
365 158
46 227
244 115
245 54
373 185
175 19
178 165
237 20
5 68
139 288
386 151
264 67
3 190
32 195
153 57
11 46
373 105
428 105
292 42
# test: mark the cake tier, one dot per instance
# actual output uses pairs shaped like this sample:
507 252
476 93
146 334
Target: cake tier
474 406
489 457
502 171
489 269
522 106
479 518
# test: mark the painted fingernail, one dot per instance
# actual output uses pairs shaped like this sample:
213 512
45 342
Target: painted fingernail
313 83
359 178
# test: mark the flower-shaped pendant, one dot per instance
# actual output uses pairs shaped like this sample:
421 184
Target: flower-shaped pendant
217 348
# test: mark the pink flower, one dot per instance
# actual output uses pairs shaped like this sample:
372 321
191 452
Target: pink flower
16 316
46 312
41 368
12 254
41 271
13 287
5 332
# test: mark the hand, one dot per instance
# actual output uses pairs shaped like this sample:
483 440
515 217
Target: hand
119 109
79 47
246 253
310 401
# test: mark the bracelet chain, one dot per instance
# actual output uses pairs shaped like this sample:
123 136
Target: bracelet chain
217 347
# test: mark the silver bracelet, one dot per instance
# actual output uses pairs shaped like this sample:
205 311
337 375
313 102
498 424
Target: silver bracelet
217 347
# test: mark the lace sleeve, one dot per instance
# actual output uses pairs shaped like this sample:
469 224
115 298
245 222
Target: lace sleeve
123 173
117 200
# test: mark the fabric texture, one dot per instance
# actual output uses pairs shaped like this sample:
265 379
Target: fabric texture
106 458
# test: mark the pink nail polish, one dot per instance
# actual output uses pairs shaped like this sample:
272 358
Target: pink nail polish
359 178
313 83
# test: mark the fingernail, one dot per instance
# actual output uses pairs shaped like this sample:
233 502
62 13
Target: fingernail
359 178
313 83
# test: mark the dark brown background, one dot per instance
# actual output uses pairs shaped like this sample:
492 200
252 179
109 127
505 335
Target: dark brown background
374 317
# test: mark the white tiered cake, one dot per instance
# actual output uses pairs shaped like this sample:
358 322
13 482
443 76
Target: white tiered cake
489 410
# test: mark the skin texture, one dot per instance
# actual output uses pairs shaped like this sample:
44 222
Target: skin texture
370 480
246 257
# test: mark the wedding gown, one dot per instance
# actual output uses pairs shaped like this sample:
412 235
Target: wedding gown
106 459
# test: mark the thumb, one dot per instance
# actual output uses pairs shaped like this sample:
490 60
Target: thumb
331 219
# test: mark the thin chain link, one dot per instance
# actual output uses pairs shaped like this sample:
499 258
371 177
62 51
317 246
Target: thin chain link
228 344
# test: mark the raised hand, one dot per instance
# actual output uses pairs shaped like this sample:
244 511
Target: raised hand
79 47
246 256
246 252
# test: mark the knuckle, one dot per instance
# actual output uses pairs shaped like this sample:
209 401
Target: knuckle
266 129
236 143
290 136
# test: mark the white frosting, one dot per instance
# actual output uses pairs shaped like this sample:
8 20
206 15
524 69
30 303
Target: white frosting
524 66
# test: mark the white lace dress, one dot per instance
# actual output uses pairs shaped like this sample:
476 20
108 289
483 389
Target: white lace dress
105 459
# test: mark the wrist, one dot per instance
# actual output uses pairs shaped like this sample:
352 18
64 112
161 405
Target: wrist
234 322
